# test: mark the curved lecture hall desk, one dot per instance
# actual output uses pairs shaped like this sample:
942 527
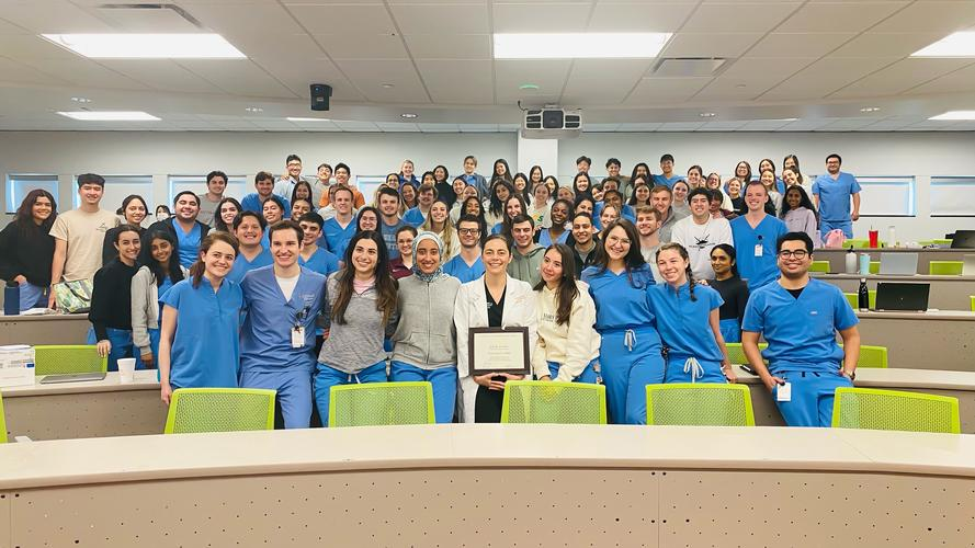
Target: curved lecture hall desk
837 257
935 339
946 293
44 329
494 485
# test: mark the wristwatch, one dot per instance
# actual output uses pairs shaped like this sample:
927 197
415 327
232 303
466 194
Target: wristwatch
851 376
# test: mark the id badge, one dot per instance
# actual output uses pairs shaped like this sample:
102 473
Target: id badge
758 250
298 337
784 392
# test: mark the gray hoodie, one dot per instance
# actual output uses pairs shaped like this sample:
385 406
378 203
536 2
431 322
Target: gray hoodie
425 336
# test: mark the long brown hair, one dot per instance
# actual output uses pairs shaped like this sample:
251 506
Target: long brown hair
385 284
198 268
567 291
25 213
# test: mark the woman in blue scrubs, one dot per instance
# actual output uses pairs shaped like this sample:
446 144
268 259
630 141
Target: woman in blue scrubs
199 341
630 353
160 270
558 214
733 290
360 303
687 319
111 301
249 230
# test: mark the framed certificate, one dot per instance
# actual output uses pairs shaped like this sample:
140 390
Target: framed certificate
498 350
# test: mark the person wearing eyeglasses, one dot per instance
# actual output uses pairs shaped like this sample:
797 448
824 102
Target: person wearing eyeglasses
799 316
467 265
755 235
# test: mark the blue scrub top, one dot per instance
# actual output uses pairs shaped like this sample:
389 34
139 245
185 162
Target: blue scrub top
659 179
757 271
252 202
801 333
189 244
338 237
321 261
265 338
242 266
389 236
414 217
627 213
205 352
834 196
545 239
684 325
164 288
620 304
458 268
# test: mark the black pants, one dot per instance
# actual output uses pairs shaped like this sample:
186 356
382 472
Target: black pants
487 404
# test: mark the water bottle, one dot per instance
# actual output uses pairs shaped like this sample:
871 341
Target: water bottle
851 261
891 237
11 299
863 296
864 264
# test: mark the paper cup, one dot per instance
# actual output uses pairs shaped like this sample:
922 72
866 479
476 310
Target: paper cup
126 370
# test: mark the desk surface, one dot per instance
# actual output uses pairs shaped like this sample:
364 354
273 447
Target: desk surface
139 458
43 317
929 315
867 377
144 380
893 250
915 278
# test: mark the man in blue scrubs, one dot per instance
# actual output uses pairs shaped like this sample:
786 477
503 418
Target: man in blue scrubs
249 230
467 265
667 177
312 257
832 193
277 341
755 234
184 227
799 317
340 228
264 184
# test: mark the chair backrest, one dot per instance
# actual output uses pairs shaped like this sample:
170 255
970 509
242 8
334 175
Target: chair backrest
381 404
945 268
872 356
820 266
973 302
197 410
699 404
68 359
543 402
3 423
874 409
736 354
856 243
854 299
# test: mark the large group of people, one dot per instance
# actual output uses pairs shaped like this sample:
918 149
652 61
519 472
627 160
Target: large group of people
304 285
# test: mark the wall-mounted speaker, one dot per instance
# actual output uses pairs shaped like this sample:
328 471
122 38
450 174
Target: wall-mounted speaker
319 96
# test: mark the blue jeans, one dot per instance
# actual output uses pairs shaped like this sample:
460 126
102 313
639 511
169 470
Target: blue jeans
588 374
327 377
32 296
443 379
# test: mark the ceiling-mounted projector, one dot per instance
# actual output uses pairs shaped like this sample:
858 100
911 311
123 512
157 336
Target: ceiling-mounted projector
551 123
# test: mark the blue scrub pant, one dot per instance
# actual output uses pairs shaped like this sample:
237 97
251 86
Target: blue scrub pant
32 296
293 385
588 374
122 347
812 397
730 330
629 360
679 370
443 379
846 226
328 376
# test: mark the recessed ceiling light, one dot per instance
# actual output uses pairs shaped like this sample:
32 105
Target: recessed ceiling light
596 45
388 86
80 100
870 109
110 116
147 46
955 115
254 109
299 119
408 115
959 44
708 115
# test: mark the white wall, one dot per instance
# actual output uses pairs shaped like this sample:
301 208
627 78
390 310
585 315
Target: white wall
164 153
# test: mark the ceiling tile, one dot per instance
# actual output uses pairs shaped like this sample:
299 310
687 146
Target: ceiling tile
872 44
680 126
84 72
52 17
439 128
362 18
961 81
765 125
240 77
603 81
21 46
14 72
839 16
943 17
298 74
746 17
825 76
639 16
161 74
722 126
638 127
449 46
397 127
7 27
901 76
658 90
798 44
370 75
712 44
290 45
532 17
245 21
442 18
458 82
374 46
549 76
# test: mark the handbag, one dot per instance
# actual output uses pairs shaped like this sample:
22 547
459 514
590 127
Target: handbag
73 297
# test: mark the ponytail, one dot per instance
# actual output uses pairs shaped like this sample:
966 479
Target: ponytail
691 283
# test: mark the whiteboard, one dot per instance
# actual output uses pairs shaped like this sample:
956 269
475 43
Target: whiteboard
953 196
888 196
19 185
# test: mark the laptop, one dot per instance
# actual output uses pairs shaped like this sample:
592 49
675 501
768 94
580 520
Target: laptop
964 239
903 297
968 266
72 377
898 264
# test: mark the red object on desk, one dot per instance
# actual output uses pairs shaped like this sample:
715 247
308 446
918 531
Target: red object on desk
874 236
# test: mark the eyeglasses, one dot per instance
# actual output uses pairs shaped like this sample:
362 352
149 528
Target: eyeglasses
798 254
468 231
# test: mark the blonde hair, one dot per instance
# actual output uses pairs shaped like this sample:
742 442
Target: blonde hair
448 235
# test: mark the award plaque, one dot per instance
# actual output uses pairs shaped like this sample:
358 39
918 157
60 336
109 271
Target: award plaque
498 350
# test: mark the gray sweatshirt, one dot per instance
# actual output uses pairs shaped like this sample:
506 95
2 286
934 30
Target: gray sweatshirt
425 336
526 267
358 343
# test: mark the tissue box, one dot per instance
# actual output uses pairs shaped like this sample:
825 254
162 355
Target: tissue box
16 365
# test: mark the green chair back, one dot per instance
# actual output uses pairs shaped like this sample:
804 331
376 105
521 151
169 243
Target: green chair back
820 266
938 242
873 409
872 356
856 243
699 404
945 268
737 354
198 410
68 359
854 299
973 302
381 404
3 423
543 402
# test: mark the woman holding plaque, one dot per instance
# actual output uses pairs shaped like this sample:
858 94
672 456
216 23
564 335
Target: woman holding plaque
629 353
568 345
493 300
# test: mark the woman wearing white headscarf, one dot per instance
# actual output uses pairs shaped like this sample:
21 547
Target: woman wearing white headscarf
424 344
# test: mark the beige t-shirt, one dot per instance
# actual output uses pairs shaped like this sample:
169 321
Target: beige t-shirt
85 234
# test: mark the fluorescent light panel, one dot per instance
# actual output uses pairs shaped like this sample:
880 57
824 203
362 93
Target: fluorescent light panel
959 44
955 115
603 45
299 119
147 46
110 116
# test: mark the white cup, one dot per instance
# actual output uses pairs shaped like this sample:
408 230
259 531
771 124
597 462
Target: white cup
126 370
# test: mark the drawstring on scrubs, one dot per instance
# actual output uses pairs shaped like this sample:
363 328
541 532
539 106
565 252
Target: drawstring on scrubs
629 339
693 367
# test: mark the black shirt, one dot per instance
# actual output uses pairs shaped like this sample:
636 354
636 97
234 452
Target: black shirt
108 247
734 293
495 310
26 251
796 292
111 298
